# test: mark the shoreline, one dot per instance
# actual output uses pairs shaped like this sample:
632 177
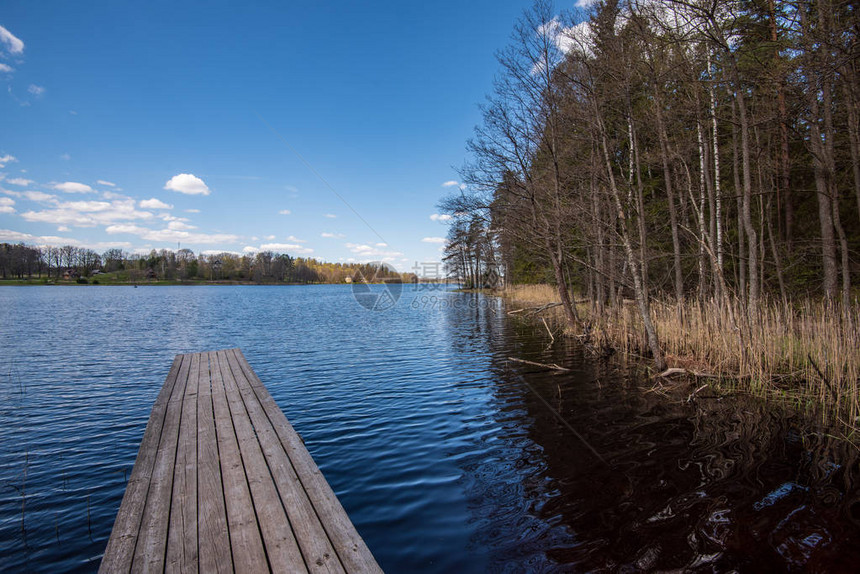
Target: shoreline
797 357
97 283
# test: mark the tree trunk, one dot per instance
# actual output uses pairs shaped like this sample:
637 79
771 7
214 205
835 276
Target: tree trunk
670 199
638 287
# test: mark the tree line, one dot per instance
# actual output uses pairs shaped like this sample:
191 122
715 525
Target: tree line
19 261
676 150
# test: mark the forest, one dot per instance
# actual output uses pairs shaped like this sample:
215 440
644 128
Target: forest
686 174
82 265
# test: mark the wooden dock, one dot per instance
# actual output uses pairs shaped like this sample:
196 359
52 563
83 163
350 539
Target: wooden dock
222 483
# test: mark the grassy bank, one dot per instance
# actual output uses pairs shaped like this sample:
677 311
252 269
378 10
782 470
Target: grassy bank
805 353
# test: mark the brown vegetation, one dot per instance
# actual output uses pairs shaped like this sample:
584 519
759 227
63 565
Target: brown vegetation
806 354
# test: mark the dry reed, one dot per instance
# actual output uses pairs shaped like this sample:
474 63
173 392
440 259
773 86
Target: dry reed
806 353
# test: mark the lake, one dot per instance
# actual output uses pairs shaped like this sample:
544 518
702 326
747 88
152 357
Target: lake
447 456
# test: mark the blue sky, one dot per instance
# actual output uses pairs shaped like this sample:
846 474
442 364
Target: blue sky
228 127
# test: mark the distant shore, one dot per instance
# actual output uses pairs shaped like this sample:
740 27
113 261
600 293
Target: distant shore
95 281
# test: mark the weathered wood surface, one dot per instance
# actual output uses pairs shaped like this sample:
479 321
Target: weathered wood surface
223 483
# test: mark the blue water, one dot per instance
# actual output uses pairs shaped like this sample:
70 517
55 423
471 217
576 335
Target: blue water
389 404
447 457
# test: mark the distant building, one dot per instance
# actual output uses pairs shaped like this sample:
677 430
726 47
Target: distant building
71 274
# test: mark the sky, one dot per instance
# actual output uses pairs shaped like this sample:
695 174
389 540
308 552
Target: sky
315 128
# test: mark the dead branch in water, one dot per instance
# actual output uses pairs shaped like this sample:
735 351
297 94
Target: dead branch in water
534 310
552 366
548 330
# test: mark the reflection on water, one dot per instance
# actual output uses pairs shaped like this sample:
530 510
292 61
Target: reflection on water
447 456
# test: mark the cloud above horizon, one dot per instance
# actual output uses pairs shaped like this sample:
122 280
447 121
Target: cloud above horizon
12 43
4 159
169 235
86 213
441 217
370 251
279 248
53 240
188 184
72 187
154 203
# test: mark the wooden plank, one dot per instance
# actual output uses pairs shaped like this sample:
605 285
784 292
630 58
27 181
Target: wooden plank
182 529
222 483
281 546
318 552
213 538
245 540
149 553
350 548
120 547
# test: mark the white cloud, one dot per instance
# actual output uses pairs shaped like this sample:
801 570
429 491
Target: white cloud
6 204
179 226
171 235
285 212
37 91
279 248
192 211
286 247
72 187
188 184
433 240
63 228
65 157
272 237
367 251
441 217
20 181
330 215
154 204
4 159
107 183
292 238
382 245
13 44
6 69
87 213
450 183
40 196
328 235
41 240
168 217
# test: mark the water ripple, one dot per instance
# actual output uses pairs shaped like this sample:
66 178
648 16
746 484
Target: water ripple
442 455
